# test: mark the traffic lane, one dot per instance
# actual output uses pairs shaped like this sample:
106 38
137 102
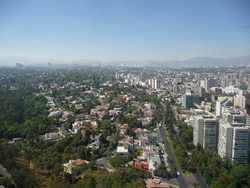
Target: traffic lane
199 179
171 155
180 178
196 174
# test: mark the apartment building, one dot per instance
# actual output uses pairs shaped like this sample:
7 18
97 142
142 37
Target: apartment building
234 114
222 102
240 101
205 131
233 142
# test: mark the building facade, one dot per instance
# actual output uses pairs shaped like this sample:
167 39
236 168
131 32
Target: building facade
205 131
234 142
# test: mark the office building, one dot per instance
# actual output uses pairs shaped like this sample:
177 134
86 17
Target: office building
210 83
233 142
205 131
49 64
188 100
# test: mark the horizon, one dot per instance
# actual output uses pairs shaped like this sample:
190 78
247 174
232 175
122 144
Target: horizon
124 31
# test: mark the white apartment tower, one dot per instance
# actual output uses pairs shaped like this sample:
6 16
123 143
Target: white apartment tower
205 131
240 101
234 142
117 76
223 102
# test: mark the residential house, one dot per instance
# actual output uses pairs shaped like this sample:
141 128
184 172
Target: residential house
141 164
68 167
141 132
51 136
150 151
156 183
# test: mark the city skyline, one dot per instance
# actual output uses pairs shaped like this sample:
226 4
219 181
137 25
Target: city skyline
124 30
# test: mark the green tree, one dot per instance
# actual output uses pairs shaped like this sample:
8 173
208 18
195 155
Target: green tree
90 183
118 160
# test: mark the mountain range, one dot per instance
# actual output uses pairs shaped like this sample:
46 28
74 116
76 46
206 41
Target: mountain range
196 61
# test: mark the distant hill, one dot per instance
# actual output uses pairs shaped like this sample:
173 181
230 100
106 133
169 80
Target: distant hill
196 61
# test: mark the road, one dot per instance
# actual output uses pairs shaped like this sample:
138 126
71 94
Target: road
197 175
168 149
105 163
3 174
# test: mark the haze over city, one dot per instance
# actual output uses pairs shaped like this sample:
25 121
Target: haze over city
122 30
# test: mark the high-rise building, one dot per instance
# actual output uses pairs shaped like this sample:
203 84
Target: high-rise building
49 64
222 102
153 84
210 83
176 89
205 131
249 83
232 115
150 82
203 83
197 90
240 101
157 84
18 65
188 100
224 83
233 142
117 76
179 78
143 76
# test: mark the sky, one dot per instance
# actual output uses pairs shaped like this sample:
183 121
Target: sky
123 30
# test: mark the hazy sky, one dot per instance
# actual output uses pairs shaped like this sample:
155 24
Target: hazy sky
124 30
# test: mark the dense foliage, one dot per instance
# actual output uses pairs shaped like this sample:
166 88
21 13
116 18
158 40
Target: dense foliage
220 173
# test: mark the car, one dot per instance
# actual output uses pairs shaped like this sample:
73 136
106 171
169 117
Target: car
156 177
178 173
165 178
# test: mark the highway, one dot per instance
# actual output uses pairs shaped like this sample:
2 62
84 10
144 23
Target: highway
180 178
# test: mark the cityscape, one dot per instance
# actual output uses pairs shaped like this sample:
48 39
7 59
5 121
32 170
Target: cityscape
172 127
125 94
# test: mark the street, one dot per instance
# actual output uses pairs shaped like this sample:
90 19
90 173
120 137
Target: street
168 149
196 174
